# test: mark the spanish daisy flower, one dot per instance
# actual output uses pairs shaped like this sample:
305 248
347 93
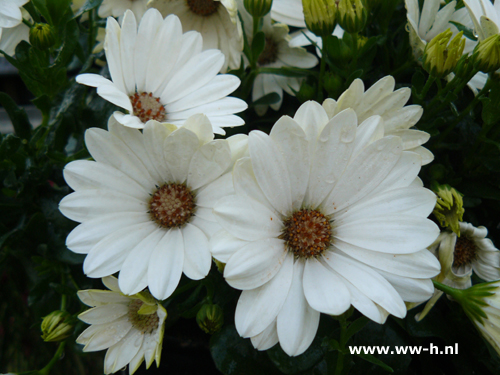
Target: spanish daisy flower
145 203
159 73
130 327
117 8
381 99
216 20
325 215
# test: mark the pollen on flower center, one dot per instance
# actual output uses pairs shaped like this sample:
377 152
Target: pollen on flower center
172 205
465 252
147 107
307 233
203 7
270 53
146 323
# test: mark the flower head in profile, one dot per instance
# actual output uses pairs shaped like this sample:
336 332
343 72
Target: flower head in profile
158 73
145 203
129 327
381 99
216 20
325 215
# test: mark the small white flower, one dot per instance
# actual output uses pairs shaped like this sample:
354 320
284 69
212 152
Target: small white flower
325 215
130 327
159 73
216 20
145 203
117 8
381 99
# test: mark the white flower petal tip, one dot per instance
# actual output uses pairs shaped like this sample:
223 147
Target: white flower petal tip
145 203
351 234
158 73
117 326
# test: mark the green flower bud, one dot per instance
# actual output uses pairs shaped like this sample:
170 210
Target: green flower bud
57 326
487 54
320 16
441 56
449 207
306 92
258 8
42 36
333 84
352 15
210 318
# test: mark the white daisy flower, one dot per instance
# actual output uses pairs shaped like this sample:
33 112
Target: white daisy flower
130 327
159 73
325 215
381 99
216 20
431 21
10 13
117 8
145 203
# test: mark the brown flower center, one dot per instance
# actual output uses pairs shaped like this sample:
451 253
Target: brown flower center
203 8
147 107
307 233
172 205
465 252
142 322
270 53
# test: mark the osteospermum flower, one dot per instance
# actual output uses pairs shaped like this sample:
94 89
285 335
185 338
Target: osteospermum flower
159 73
117 8
130 327
145 203
325 215
216 20
381 99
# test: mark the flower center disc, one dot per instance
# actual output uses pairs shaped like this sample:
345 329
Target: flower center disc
307 233
203 7
147 107
465 252
172 205
270 53
144 323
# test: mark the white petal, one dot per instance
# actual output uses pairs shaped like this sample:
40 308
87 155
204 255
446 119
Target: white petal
297 321
258 308
324 290
208 163
165 265
113 57
180 147
96 297
369 131
411 290
123 352
104 314
107 334
201 126
245 183
223 245
197 258
209 194
267 338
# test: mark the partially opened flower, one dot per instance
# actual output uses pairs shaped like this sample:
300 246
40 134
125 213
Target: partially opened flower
381 99
325 215
129 327
159 73
117 8
216 20
145 203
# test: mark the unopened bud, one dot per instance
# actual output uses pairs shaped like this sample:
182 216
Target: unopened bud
258 8
441 56
352 15
320 16
57 326
42 36
210 318
487 54
449 208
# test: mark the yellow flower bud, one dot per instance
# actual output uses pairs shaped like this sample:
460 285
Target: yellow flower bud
449 207
352 15
56 326
441 56
487 54
210 318
258 8
42 36
320 16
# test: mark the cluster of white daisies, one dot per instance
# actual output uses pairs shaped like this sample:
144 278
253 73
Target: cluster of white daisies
325 212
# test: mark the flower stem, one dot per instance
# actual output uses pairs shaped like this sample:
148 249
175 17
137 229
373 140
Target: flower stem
455 293
322 71
342 342
55 358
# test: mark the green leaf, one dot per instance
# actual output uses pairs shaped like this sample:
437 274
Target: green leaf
258 45
268 99
468 33
418 81
370 358
294 365
355 327
18 116
41 6
89 5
